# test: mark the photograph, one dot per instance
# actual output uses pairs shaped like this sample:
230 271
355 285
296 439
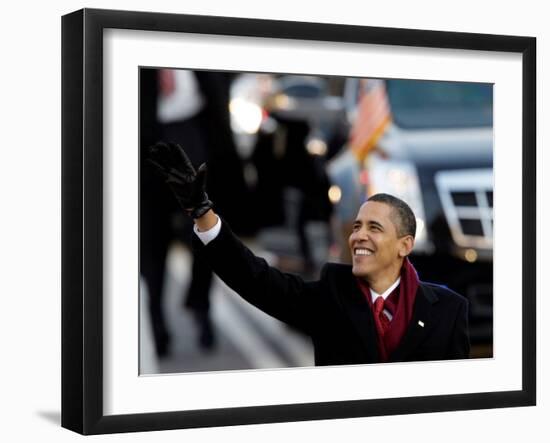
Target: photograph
353 220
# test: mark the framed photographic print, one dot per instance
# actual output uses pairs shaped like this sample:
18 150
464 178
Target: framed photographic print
302 127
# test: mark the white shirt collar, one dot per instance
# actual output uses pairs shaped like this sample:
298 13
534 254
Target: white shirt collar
387 292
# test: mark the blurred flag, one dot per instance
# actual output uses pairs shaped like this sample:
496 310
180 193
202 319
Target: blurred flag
372 119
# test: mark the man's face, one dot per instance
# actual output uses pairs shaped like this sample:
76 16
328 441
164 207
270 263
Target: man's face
377 251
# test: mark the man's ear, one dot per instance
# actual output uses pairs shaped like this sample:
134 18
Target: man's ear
406 245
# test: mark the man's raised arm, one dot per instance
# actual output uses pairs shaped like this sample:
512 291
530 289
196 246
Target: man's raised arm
281 295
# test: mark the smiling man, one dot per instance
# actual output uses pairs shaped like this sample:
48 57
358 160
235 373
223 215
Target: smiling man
375 310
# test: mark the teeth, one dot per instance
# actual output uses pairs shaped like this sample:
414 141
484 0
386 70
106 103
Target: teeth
363 252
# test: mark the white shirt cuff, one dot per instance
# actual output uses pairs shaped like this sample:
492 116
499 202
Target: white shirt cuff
207 236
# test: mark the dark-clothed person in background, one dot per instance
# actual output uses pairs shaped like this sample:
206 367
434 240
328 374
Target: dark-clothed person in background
191 108
374 310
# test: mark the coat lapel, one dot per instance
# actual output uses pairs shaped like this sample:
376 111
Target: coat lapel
360 314
420 324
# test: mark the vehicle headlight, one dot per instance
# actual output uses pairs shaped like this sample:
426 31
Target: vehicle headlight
399 178
246 116
316 146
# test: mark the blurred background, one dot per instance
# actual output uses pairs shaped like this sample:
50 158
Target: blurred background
290 159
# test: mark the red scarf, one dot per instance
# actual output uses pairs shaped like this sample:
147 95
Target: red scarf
400 304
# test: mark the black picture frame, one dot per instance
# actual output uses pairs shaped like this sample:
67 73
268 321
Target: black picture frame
82 220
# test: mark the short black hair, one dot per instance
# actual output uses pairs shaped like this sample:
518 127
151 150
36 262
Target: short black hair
403 216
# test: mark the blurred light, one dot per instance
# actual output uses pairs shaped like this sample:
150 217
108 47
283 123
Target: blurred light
470 255
316 146
420 225
334 194
284 102
246 116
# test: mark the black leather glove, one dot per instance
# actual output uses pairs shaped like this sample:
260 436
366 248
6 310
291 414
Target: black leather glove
187 184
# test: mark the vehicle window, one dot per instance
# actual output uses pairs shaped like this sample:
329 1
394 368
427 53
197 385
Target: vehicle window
304 91
423 104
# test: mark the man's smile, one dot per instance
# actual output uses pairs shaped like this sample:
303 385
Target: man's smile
362 252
